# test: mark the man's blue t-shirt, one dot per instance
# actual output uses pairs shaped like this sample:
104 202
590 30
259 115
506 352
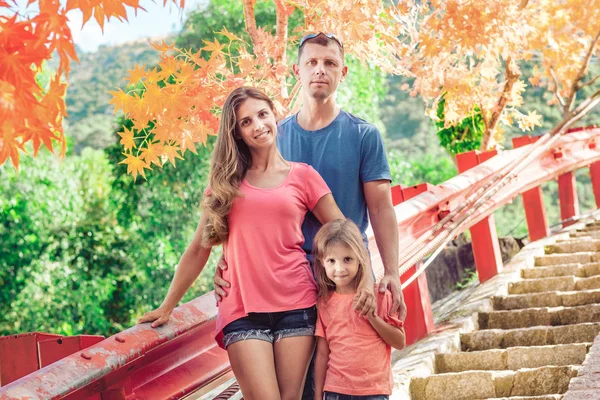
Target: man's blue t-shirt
347 153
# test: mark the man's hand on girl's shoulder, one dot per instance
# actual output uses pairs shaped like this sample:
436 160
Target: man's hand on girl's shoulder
364 301
392 283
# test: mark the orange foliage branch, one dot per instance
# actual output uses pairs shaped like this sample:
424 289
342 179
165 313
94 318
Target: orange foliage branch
30 113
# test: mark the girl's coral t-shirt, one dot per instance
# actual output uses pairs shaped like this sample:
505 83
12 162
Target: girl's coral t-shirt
359 359
266 266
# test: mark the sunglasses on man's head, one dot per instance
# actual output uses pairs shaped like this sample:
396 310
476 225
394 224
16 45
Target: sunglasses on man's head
314 35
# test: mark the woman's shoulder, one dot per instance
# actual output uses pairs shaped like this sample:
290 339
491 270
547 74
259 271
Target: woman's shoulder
301 170
300 165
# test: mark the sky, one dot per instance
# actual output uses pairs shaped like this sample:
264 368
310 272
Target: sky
156 21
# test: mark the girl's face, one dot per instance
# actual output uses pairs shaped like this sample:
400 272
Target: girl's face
341 266
256 124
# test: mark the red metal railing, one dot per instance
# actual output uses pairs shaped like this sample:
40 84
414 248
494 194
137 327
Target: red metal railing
181 357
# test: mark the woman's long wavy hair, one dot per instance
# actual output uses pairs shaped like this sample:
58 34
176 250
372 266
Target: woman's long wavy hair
230 160
346 233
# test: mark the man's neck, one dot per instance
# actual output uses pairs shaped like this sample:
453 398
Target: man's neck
317 114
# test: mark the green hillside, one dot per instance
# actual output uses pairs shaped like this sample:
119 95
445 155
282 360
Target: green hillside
91 120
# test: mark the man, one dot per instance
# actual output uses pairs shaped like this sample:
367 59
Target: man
347 151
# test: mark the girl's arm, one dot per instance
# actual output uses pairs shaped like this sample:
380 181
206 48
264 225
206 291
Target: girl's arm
393 336
321 360
190 265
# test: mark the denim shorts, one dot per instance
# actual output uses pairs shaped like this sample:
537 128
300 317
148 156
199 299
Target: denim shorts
271 327
337 396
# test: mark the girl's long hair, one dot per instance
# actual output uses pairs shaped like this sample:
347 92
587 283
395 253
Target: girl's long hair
344 232
230 160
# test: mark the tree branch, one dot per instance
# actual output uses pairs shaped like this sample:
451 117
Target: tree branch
512 75
575 85
523 4
290 102
251 23
281 34
587 102
578 113
281 31
590 82
561 101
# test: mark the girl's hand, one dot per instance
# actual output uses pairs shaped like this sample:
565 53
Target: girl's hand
158 317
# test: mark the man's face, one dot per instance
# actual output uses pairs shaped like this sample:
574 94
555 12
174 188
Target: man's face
320 69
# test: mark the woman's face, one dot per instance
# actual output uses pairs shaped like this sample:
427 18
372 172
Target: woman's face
256 124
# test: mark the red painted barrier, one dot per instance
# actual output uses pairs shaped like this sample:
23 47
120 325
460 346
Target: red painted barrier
484 238
181 357
595 178
533 202
567 195
419 318
23 354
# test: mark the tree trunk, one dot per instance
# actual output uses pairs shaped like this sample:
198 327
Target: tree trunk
280 57
512 75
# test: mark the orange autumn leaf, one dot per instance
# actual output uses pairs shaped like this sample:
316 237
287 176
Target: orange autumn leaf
10 144
135 165
228 34
151 154
170 152
127 139
120 99
136 74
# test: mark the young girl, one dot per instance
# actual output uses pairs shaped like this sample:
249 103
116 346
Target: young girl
353 352
255 206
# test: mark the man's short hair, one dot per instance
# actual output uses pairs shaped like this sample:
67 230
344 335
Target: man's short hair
322 39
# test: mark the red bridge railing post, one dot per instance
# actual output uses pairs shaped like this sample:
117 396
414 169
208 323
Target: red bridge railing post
484 238
533 201
419 317
595 178
567 195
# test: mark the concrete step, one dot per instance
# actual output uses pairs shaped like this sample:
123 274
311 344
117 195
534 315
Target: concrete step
534 336
585 235
473 385
577 270
544 316
559 283
513 358
561 259
590 228
576 246
546 299
544 397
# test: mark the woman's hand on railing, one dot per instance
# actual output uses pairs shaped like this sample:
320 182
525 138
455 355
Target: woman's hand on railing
158 317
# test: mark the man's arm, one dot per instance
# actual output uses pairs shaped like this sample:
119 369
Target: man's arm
378 196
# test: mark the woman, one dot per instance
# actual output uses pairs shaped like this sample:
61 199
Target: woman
254 206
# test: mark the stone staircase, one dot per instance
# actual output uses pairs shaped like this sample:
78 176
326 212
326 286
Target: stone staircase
534 339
